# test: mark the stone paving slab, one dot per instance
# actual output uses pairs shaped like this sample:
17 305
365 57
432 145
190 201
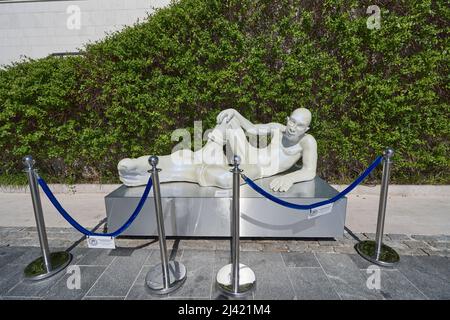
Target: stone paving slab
26 288
61 290
96 257
13 275
430 275
397 237
21 298
443 237
395 286
360 262
139 290
272 277
300 259
438 245
312 284
120 274
346 277
154 256
7 255
103 298
200 267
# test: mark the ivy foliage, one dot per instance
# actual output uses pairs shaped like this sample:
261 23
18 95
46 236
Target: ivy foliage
367 88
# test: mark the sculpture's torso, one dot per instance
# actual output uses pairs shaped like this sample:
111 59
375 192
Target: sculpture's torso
276 157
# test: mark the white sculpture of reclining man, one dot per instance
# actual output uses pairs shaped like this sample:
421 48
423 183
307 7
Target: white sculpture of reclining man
209 167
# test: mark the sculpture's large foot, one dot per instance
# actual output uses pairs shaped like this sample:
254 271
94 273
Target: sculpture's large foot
132 173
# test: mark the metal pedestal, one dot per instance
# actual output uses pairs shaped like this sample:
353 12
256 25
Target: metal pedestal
386 257
193 211
177 276
37 270
247 280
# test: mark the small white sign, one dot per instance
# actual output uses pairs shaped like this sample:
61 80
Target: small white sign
101 242
222 194
320 211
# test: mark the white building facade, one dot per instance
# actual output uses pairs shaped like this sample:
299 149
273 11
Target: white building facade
37 28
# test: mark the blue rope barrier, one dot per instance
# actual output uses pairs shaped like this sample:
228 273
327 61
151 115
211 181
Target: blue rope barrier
342 194
83 230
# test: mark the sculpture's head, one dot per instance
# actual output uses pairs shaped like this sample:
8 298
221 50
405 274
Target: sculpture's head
297 123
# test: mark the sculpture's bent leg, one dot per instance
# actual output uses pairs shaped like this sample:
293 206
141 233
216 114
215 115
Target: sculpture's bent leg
239 145
212 152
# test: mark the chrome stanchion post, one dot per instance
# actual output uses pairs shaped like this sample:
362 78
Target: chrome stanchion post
235 225
167 276
236 279
376 251
49 263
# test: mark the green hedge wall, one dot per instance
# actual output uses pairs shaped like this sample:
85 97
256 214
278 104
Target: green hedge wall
367 88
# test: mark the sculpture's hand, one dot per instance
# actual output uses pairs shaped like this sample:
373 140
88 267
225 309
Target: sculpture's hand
226 115
282 184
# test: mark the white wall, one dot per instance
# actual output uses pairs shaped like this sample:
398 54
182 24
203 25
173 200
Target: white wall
36 29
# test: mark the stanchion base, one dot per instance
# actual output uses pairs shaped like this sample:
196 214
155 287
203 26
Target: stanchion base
247 280
388 256
154 278
36 270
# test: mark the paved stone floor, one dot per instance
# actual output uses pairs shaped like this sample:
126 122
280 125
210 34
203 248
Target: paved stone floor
293 269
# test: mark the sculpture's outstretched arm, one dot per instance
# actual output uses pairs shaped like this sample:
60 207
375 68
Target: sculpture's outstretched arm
264 128
246 125
308 170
